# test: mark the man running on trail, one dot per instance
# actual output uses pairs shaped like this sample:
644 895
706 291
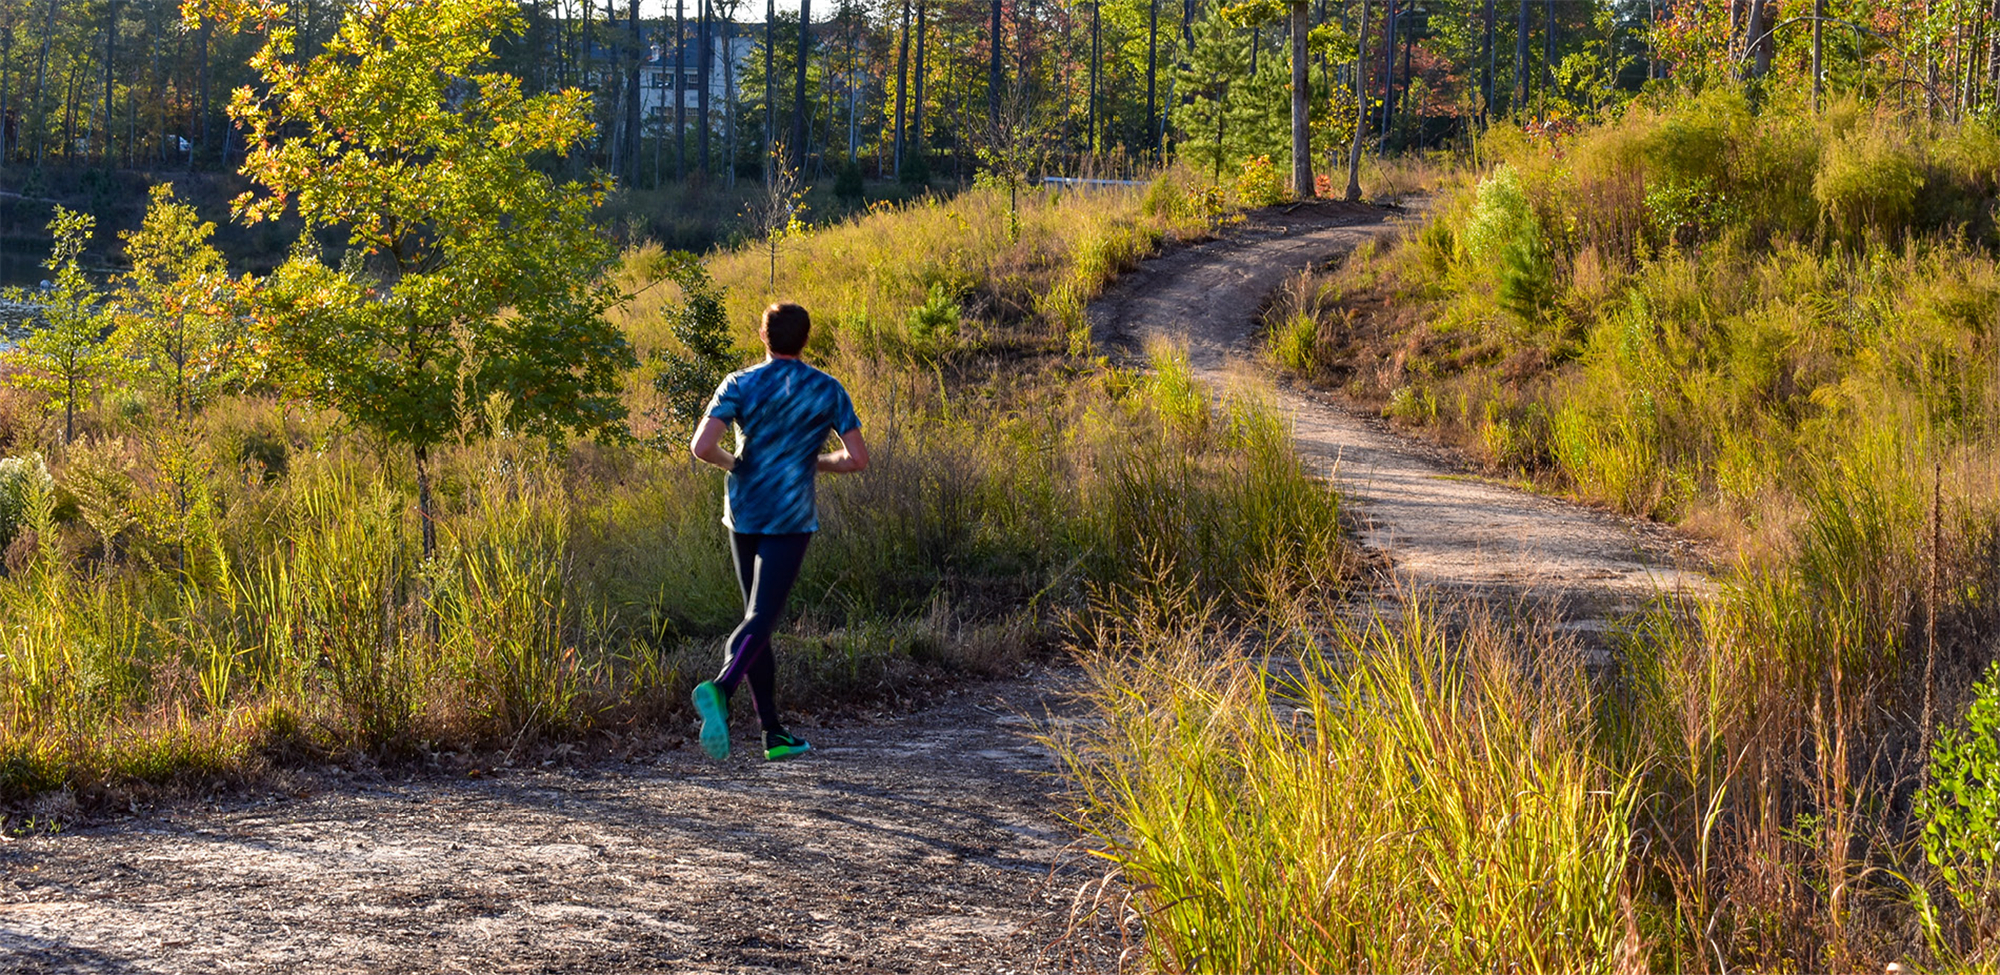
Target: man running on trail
783 410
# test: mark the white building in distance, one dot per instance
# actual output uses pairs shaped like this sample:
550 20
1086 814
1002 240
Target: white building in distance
733 45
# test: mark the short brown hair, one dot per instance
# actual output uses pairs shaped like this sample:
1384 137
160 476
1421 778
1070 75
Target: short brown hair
786 327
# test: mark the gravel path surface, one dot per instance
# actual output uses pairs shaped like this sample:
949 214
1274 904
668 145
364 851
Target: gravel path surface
1443 529
923 843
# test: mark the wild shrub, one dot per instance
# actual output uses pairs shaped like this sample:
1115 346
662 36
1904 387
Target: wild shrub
1397 795
685 378
1259 184
847 185
1503 237
1296 343
1959 807
20 479
1868 180
932 327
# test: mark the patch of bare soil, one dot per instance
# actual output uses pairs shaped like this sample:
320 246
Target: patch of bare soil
1445 531
928 842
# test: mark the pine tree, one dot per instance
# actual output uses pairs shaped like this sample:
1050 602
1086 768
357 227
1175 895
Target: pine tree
1220 59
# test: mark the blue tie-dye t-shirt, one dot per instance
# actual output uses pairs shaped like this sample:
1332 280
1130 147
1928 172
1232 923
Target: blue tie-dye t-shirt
783 409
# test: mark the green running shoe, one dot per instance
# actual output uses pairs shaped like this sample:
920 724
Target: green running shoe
714 710
781 745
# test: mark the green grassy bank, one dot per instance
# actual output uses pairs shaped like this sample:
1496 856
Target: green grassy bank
580 588
1772 328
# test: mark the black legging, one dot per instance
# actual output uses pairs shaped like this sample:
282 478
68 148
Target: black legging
766 567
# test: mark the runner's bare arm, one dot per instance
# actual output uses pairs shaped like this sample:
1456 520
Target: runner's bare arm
708 444
851 458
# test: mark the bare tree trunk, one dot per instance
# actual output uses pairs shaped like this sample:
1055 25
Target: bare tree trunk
1097 58
800 121
70 92
704 34
1967 43
178 78
853 96
770 88
632 116
426 511
1388 74
993 64
729 96
1360 107
1818 71
1993 47
680 90
6 102
1302 170
614 134
917 109
1486 70
201 54
42 77
902 83
1520 61
1548 57
1753 39
1152 68
110 60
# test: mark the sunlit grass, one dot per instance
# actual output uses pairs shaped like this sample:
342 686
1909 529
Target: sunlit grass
1380 796
579 589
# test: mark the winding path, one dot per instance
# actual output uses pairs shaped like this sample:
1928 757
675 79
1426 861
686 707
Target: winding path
921 842
1441 529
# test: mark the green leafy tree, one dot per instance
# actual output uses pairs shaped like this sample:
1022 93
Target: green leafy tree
701 325
179 334
468 273
67 354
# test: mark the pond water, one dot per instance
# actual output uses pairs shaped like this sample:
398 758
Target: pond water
21 262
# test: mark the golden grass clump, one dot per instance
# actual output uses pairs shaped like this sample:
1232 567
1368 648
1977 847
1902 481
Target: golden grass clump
1393 795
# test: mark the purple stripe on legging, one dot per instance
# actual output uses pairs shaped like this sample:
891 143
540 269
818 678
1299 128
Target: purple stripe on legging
740 660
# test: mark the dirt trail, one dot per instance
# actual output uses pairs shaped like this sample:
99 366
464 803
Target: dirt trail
925 842
929 843
1441 528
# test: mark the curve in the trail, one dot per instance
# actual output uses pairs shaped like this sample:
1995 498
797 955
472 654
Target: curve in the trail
1442 529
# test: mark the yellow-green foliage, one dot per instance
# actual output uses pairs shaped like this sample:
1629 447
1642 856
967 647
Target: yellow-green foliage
1776 328
577 586
863 277
1259 185
1395 800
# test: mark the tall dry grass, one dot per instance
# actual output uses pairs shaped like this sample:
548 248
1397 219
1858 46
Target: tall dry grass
581 587
1772 329
1401 794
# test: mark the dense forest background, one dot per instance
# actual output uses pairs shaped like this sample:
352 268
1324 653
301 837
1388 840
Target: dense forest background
918 88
